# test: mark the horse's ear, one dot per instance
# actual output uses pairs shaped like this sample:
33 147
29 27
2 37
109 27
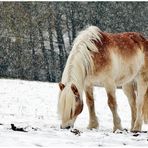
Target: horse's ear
75 91
61 86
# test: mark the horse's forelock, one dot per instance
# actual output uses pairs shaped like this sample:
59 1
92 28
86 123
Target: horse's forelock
66 104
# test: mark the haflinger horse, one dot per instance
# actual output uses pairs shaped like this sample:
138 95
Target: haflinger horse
112 60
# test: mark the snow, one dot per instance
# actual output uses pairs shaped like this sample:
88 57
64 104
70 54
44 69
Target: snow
33 106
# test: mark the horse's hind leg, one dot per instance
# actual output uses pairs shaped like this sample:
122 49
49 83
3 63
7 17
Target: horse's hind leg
130 93
93 121
113 107
141 90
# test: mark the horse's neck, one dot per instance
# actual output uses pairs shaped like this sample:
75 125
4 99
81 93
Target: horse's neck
74 72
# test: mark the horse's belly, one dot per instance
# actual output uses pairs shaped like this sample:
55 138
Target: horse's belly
127 73
125 77
125 69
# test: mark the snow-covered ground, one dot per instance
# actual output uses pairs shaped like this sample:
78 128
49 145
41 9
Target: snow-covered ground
33 106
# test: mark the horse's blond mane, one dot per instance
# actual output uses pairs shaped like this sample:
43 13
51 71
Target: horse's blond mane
85 37
80 56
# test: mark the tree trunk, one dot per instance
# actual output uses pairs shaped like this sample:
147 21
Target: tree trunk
68 27
73 23
20 70
32 46
60 39
52 61
45 54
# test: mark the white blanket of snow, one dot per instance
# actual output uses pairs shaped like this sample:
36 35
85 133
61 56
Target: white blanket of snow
34 105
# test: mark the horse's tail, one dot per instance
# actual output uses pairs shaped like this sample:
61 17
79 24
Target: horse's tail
145 108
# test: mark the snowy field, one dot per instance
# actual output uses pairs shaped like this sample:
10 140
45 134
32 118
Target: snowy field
33 107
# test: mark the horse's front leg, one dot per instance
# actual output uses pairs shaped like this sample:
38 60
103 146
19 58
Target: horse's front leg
93 121
113 107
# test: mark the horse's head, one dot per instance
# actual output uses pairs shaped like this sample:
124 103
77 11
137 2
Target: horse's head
70 104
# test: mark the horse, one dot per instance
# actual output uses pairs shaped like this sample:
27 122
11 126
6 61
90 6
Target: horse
109 59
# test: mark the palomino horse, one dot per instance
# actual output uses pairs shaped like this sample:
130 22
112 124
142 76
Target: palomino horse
112 60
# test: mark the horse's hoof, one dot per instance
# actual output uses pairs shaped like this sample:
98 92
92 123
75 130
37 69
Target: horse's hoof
136 130
92 127
115 130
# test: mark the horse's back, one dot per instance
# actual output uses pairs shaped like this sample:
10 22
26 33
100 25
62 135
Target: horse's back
120 56
126 43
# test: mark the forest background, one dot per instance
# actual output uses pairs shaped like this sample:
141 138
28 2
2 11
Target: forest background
36 37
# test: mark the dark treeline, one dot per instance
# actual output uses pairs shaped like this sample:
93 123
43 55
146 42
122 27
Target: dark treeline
36 37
